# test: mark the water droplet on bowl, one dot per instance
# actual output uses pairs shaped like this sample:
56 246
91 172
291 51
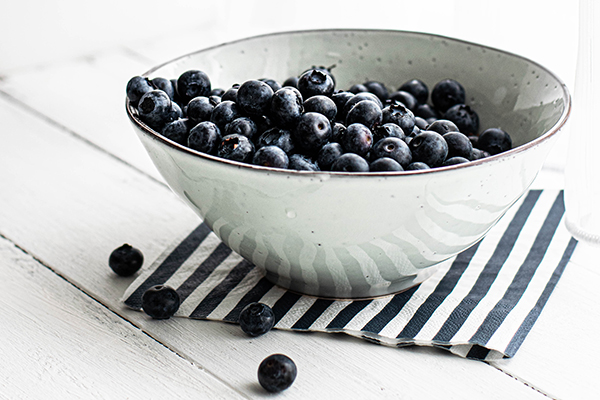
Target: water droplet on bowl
290 213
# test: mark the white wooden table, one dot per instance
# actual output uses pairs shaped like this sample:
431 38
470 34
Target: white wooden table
75 183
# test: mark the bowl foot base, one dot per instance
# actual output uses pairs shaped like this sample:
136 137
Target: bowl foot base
353 293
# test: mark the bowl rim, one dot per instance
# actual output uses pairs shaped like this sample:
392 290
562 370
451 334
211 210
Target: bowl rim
516 150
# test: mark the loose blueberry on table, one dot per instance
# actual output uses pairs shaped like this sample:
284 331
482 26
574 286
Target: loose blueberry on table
160 302
277 372
256 319
125 260
308 124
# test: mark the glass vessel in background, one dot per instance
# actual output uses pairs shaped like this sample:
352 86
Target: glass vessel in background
582 174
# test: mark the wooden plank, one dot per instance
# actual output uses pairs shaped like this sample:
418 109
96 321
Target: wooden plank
561 354
71 204
58 343
86 96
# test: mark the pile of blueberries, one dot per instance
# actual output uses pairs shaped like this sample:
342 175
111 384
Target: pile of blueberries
306 124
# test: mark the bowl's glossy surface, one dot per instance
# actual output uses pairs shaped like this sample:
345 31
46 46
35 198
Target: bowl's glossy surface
361 235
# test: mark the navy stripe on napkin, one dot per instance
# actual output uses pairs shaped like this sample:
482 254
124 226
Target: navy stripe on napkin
480 304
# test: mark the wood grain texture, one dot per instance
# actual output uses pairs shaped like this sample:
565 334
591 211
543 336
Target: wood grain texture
58 343
86 97
560 354
71 204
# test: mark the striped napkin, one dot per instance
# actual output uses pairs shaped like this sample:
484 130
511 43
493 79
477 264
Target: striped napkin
479 304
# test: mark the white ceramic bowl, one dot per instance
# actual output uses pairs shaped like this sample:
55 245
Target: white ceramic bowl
349 235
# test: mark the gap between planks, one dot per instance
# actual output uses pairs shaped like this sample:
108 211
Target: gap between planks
27 108
121 317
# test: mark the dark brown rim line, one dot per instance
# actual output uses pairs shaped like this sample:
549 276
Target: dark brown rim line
551 132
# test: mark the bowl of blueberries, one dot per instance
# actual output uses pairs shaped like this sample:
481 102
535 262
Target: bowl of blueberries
348 163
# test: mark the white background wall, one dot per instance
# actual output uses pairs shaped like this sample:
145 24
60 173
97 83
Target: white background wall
31 29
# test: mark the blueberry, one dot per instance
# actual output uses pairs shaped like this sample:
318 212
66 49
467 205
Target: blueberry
224 112
328 154
400 115
394 148
421 123
263 123
276 373
454 161
464 117
292 81
256 319
494 141
378 89
359 97
242 126
387 130
204 137
271 156
165 85
358 88
352 101
365 112
443 126
176 98
340 98
459 145
254 97
350 162
177 131
155 109
337 132
160 301
218 92
425 111
385 164
236 147
273 84
193 83
447 93
357 139
125 260
315 82
136 88
286 107
429 147
323 69
417 165
301 162
199 109
474 139
312 132
478 154
322 105
231 93
417 88
175 112
405 98
415 131
281 138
